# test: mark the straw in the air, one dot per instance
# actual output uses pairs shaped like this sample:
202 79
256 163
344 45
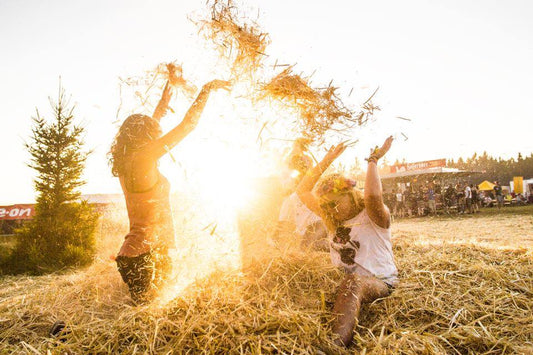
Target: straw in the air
243 44
319 109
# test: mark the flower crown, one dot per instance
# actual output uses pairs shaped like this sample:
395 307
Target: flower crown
336 185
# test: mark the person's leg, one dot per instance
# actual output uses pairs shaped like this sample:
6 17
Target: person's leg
138 273
166 240
136 266
353 291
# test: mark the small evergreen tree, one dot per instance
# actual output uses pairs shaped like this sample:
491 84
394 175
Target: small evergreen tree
62 233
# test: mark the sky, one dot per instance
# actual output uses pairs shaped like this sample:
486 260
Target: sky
459 70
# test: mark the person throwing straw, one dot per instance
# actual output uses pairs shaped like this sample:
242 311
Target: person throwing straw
359 228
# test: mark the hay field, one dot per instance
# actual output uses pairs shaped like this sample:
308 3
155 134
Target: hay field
466 287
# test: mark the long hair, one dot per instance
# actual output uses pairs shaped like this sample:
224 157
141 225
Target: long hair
338 184
136 131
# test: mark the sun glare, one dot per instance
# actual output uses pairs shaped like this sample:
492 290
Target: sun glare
214 171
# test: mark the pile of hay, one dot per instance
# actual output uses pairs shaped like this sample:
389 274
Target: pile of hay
244 45
455 297
319 110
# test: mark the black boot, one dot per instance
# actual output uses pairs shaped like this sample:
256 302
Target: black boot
138 273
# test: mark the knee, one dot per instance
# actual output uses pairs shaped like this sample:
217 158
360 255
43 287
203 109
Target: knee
352 283
373 289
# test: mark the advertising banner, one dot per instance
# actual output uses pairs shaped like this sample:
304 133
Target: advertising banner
418 166
15 212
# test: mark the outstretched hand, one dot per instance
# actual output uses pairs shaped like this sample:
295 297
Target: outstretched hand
335 151
174 74
380 152
217 84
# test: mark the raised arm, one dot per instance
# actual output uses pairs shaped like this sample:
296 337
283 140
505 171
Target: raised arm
375 208
162 145
162 106
305 188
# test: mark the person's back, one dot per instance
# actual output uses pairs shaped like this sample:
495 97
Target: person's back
150 218
498 190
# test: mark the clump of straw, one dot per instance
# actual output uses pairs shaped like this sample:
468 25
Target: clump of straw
319 109
243 44
146 89
174 74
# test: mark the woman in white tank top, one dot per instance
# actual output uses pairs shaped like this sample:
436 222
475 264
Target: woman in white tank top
360 237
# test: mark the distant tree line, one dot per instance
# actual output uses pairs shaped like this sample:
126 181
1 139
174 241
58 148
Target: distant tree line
490 168
495 168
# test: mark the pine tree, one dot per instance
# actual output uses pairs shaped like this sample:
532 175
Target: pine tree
62 231
57 156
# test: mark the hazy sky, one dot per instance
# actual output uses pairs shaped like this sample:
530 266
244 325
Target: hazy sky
460 70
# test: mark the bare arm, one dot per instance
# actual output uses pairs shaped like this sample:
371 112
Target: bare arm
375 208
305 188
162 106
162 145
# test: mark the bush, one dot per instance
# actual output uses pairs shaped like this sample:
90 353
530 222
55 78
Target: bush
56 240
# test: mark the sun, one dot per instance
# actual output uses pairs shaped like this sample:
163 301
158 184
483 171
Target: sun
215 172
225 183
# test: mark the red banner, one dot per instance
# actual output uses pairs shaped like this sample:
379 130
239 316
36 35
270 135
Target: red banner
14 212
418 166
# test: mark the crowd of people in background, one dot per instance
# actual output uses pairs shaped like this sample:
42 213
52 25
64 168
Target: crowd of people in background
411 199
431 198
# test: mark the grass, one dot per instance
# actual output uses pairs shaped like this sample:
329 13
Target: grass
466 287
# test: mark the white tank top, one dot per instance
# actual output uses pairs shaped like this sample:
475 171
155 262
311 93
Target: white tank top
363 247
295 211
